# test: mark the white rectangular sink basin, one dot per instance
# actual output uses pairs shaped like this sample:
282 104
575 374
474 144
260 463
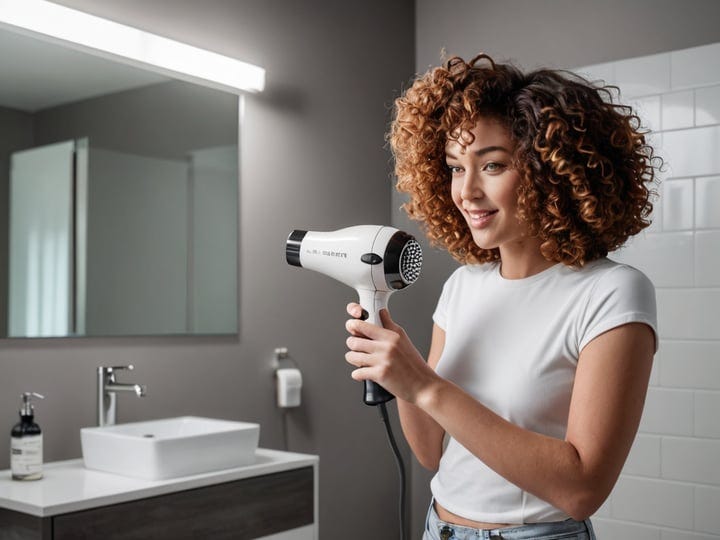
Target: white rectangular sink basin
170 447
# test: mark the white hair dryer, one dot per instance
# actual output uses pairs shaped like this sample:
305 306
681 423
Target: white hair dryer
373 259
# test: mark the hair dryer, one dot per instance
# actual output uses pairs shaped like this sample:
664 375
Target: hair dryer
373 259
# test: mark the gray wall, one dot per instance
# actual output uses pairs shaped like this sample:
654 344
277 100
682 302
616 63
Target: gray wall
313 157
561 33
532 33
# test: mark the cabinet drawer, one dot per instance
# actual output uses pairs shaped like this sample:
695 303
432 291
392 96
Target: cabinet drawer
244 509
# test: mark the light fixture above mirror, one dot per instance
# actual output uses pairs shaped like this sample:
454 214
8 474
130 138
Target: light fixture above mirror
95 35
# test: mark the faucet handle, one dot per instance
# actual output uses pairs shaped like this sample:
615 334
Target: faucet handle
107 373
111 369
129 367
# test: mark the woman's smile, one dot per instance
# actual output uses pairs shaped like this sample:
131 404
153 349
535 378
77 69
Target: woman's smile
479 219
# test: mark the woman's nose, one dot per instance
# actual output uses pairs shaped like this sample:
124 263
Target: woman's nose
471 188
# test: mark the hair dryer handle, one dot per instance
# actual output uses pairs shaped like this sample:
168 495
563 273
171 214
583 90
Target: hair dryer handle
376 394
373 301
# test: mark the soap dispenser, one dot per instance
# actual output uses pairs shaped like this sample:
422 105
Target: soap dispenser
26 446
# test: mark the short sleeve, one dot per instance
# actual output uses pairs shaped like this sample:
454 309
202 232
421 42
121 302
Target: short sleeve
440 316
622 295
440 313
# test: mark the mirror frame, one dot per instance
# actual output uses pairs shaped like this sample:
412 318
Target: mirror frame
76 30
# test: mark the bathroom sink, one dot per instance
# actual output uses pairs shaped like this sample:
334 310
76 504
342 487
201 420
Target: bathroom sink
170 447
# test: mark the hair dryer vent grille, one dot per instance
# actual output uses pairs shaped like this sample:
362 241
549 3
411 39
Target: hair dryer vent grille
411 261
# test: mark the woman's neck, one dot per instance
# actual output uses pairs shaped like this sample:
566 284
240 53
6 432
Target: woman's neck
522 259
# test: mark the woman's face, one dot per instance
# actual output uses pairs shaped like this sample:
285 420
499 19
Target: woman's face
484 185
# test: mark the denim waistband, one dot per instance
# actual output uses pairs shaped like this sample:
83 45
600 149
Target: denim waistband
436 529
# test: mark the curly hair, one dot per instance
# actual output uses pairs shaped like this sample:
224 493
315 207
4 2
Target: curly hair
584 163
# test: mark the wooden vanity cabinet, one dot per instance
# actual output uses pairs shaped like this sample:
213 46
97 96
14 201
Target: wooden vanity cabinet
250 508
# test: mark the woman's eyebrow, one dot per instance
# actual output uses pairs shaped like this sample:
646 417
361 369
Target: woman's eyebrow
481 151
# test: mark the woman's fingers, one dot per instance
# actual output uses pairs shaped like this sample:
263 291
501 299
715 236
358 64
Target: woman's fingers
362 362
387 322
360 374
357 327
356 311
359 343
379 352
365 364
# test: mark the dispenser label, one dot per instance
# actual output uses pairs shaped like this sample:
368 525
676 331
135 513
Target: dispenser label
26 455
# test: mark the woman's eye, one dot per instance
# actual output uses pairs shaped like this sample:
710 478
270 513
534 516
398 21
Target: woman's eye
454 169
492 166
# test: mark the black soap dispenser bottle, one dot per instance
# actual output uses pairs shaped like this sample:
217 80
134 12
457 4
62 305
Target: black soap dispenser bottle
26 446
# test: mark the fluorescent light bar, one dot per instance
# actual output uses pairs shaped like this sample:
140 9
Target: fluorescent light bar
130 45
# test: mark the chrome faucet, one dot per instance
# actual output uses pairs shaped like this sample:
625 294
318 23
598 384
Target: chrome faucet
107 389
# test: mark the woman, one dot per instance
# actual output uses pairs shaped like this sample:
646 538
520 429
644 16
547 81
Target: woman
542 347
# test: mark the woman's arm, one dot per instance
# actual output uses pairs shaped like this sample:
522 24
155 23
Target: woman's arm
423 434
575 474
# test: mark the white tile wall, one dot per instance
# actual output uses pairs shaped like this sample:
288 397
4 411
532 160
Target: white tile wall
649 109
707 202
604 73
707 258
691 460
667 259
644 458
609 529
671 534
692 152
678 110
707 419
654 502
643 76
690 364
688 313
678 201
670 486
707 106
668 412
707 509
697 66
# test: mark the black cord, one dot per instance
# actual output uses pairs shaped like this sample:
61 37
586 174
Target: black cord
400 466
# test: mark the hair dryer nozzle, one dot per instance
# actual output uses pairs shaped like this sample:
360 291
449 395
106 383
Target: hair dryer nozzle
292 247
403 260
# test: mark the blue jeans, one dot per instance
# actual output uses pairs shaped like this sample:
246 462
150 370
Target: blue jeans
435 529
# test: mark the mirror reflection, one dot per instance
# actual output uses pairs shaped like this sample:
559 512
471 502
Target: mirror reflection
119 190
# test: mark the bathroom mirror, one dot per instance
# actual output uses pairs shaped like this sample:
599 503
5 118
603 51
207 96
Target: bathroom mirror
119 196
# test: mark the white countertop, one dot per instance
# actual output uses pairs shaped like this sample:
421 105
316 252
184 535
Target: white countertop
67 486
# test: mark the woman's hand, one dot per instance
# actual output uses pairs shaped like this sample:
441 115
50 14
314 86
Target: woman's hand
386 356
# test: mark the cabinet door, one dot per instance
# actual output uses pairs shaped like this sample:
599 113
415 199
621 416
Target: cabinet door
19 526
245 509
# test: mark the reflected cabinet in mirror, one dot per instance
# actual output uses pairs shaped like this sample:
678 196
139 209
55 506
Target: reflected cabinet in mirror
119 195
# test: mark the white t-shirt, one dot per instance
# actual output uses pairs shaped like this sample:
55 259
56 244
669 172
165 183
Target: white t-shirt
514 346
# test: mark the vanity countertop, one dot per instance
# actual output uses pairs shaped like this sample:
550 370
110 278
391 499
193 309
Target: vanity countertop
67 486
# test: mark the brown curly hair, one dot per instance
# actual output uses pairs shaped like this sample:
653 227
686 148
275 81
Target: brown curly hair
583 160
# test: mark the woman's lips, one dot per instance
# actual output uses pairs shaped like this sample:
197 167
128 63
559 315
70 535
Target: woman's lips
480 218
